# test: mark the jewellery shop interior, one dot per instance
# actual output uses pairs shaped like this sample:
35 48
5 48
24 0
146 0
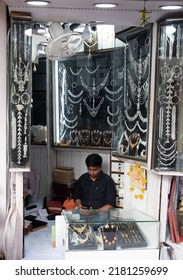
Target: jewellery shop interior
79 86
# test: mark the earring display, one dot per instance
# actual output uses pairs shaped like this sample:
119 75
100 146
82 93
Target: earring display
20 91
129 236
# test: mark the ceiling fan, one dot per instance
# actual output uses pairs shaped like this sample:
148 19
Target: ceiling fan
64 43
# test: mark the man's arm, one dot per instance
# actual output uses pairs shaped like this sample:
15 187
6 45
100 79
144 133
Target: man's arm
105 208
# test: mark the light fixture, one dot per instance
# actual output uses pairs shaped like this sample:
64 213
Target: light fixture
171 7
37 3
105 5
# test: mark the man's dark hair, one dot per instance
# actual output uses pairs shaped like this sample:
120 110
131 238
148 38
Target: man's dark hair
94 160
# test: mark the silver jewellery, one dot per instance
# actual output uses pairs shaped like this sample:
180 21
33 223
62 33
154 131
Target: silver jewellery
114 100
20 98
13 131
74 84
25 98
15 97
75 95
90 46
138 114
120 75
113 124
70 126
25 122
70 121
139 67
92 71
75 101
94 90
135 126
113 114
94 110
25 148
75 73
21 74
113 91
19 133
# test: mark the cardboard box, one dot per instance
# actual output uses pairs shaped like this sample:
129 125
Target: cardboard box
64 175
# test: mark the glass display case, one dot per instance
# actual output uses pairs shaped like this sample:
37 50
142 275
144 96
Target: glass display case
102 100
168 144
110 232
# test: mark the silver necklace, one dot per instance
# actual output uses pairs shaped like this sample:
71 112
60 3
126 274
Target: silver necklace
113 124
75 73
94 110
114 100
134 127
94 90
92 71
113 91
113 114
73 95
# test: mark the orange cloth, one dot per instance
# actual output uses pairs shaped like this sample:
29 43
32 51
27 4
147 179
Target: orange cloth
69 204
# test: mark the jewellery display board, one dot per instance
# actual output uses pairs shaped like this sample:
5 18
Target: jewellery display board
134 132
168 144
102 100
20 90
88 101
113 230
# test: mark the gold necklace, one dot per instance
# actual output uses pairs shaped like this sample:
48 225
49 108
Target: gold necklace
110 240
107 231
79 228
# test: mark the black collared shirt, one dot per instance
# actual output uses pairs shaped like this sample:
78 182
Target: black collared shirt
95 194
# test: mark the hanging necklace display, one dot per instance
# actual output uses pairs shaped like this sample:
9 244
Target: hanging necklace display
20 89
169 92
83 88
93 93
136 96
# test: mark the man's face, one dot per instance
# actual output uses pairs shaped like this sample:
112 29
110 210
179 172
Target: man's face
94 171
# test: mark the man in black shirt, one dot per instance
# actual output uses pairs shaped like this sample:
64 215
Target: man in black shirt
95 189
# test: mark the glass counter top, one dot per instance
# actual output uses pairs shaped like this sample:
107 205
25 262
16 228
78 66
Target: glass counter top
115 215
